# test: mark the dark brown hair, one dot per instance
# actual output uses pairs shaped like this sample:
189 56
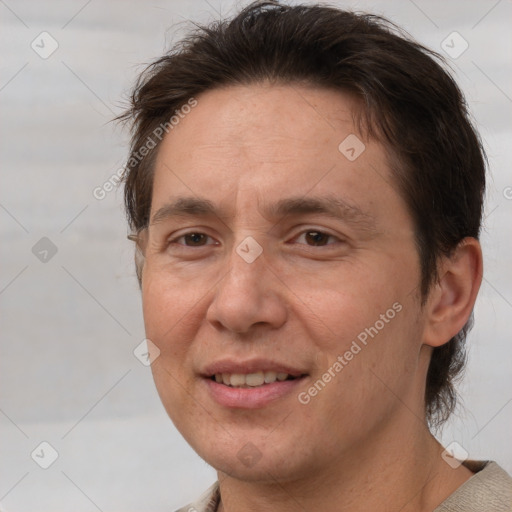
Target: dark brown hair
408 102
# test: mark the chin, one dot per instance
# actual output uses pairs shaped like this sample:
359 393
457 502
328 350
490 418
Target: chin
262 459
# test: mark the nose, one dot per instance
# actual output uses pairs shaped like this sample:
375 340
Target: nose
249 294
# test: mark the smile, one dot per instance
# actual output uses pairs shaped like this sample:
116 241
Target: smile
251 380
251 383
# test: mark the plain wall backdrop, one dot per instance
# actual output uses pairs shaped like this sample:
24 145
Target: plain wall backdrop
71 308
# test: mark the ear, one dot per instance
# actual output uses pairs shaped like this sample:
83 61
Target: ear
451 299
141 240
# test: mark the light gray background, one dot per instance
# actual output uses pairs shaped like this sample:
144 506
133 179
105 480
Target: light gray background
69 326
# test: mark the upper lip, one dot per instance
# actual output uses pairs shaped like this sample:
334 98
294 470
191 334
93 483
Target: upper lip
249 366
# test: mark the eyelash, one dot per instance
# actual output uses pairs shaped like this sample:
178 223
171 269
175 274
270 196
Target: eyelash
307 231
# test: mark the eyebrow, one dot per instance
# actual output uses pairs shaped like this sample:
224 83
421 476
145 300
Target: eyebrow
183 207
330 206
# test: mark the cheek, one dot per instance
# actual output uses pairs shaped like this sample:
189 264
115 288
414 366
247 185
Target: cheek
171 312
359 385
366 322
171 317
338 306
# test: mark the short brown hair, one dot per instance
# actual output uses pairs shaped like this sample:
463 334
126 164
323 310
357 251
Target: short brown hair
408 101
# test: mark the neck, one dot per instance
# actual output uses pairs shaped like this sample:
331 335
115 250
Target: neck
397 469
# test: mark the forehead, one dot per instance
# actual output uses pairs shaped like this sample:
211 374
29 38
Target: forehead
265 142
273 120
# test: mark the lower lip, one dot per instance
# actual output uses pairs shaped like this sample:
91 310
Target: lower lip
251 398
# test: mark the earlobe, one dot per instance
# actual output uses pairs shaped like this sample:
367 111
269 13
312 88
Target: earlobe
453 296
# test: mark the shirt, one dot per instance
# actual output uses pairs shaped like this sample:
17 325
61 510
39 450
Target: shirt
488 490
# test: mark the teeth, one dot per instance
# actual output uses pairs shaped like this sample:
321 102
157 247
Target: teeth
254 379
270 377
239 380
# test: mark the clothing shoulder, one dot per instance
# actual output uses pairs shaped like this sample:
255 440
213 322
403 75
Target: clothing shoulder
488 490
208 502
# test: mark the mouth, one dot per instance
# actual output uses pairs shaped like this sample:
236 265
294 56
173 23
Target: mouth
252 380
251 384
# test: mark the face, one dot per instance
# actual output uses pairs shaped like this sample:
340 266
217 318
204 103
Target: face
280 283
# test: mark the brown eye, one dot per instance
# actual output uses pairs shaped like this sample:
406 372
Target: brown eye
195 239
317 238
191 239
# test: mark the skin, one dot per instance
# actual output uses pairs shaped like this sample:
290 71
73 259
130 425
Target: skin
362 442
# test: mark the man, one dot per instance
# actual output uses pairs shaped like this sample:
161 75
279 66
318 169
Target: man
305 190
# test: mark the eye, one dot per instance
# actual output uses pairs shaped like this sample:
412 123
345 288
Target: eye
192 239
316 238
